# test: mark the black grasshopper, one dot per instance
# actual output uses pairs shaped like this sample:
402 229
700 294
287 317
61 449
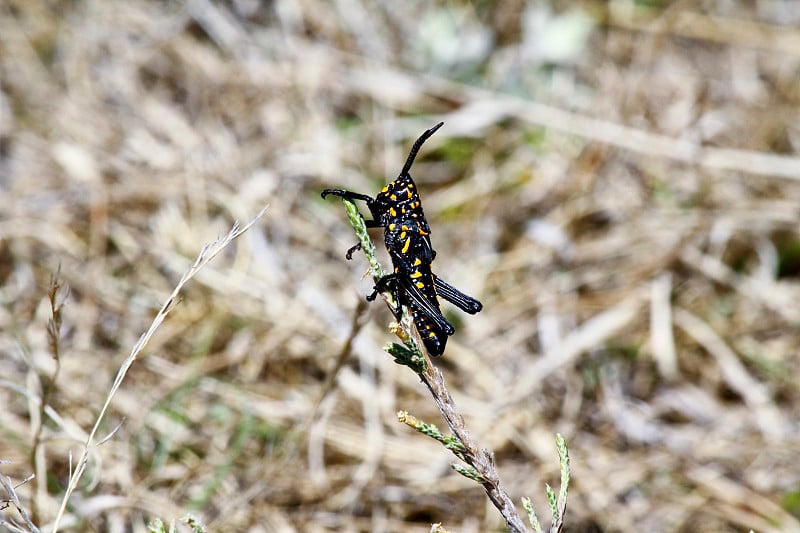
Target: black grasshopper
397 209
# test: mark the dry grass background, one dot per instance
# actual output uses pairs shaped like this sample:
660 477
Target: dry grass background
617 182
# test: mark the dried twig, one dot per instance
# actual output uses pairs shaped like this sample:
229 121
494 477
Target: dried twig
57 295
481 459
14 499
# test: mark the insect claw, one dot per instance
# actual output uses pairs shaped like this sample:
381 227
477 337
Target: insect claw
349 254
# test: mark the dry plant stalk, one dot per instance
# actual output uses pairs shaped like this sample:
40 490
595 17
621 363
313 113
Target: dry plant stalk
480 459
207 253
13 499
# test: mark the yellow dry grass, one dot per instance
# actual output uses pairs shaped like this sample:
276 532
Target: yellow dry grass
619 185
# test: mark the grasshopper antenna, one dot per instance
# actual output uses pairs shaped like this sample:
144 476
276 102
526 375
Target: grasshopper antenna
417 145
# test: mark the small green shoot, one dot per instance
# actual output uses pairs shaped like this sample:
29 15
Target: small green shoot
558 505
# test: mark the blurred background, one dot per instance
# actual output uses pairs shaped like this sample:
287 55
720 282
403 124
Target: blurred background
616 181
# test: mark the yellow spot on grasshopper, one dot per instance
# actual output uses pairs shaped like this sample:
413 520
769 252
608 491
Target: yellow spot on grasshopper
417 262
406 246
416 275
392 211
392 226
420 285
393 197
